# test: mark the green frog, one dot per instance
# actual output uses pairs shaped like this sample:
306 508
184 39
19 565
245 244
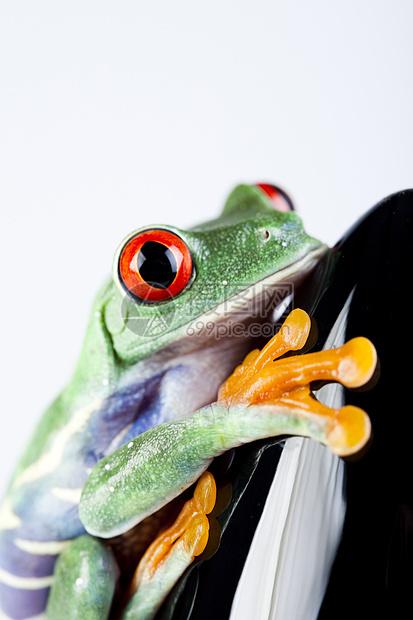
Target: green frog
150 405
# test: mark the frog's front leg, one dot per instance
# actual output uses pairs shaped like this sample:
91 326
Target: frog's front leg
263 398
84 581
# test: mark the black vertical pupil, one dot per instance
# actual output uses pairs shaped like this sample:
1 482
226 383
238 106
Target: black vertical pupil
157 264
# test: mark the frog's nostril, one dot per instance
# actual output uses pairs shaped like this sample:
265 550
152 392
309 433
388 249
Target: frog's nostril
265 234
278 198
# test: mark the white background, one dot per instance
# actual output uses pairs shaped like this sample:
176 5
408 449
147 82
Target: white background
118 114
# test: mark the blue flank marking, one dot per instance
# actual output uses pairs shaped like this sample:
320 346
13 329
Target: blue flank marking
17 603
45 517
21 563
130 405
20 604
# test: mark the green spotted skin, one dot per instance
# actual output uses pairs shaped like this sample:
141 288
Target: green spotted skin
85 578
147 473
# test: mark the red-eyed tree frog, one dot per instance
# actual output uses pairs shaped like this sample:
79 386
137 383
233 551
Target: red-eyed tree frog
144 414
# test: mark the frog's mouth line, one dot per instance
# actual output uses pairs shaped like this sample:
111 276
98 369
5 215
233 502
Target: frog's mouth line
160 341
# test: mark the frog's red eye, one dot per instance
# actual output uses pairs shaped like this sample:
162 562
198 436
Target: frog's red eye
280 200
155 265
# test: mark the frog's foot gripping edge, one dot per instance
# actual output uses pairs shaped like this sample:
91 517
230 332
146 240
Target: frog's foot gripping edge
171 553
264 379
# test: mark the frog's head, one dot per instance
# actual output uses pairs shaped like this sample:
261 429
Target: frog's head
172 285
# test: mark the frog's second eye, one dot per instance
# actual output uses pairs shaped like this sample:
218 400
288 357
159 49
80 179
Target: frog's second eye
278 198
155 265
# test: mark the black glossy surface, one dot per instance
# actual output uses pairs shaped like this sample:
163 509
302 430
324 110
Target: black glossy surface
373 572
211 585
219 576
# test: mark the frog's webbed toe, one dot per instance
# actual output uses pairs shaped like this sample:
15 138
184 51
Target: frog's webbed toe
284 384
171 553
291 337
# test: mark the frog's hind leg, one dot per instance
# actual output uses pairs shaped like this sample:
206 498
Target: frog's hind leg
171 553
84 582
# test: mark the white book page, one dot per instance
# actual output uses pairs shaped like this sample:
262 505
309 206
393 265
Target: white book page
294 546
